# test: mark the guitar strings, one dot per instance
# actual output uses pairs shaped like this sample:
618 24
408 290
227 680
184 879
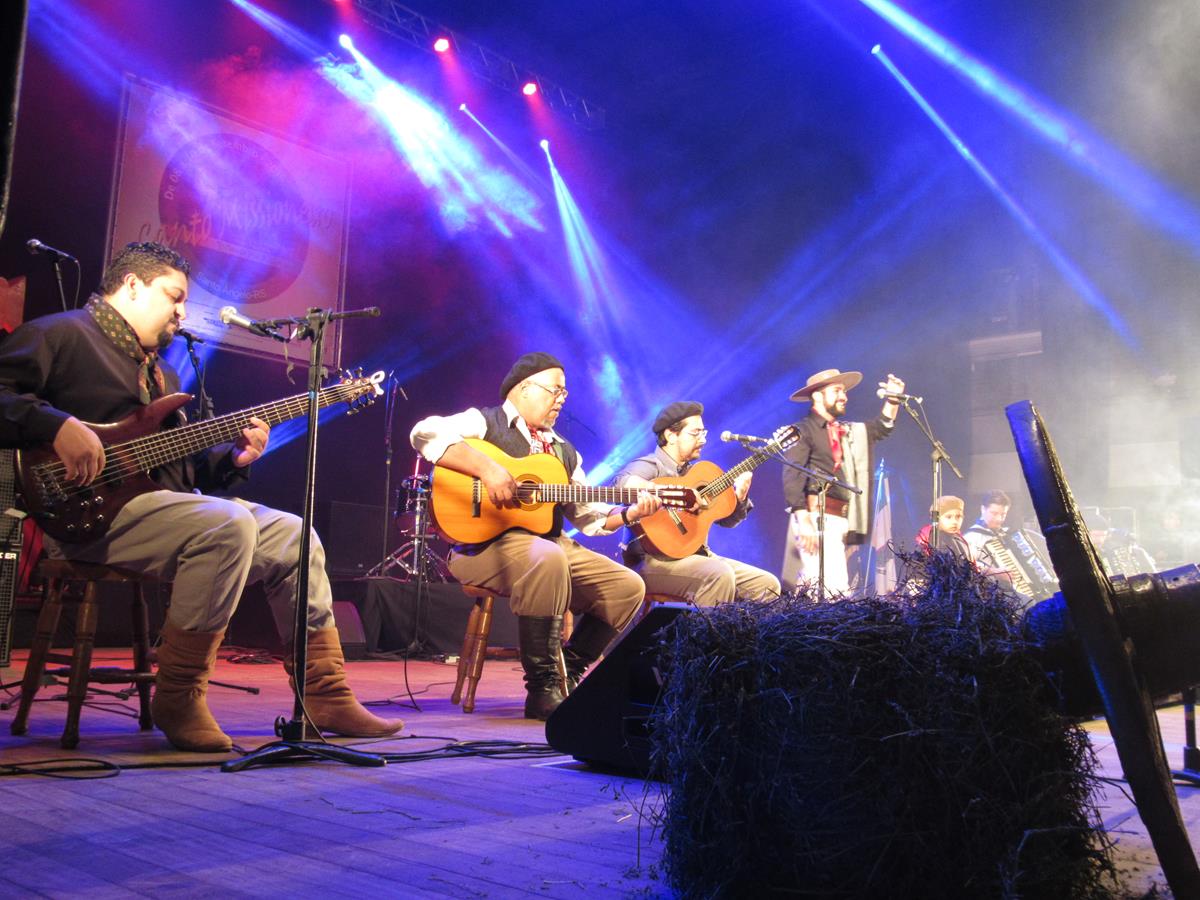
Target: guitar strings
162 447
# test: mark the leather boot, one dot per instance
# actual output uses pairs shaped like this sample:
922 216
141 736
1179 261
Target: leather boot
589 639
179 708
328 698
540 638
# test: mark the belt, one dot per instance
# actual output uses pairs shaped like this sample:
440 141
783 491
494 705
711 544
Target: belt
836 507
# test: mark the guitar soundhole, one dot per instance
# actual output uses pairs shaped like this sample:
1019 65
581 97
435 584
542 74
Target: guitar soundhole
528 494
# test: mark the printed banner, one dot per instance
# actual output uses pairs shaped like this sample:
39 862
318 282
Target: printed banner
261 219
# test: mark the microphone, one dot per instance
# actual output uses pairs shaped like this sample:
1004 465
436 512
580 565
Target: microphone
885 394
36 247
188 336
742 438
230 316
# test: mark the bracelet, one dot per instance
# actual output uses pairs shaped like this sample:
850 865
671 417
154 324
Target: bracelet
625 516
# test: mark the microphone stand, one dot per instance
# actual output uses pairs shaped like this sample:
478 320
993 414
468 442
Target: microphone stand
826 482
58 277
297 742
388 416
938 456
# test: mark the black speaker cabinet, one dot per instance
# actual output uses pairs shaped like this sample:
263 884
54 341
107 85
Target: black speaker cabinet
603 722
353 537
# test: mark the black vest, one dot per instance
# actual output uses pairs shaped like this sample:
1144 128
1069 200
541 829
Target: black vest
509 439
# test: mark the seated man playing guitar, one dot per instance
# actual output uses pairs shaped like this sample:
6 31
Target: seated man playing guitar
101 364
543 575
674 558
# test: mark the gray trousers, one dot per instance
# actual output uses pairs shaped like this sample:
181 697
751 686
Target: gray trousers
548 576
210 548
707 579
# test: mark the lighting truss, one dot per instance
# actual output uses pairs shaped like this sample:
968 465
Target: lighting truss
408 25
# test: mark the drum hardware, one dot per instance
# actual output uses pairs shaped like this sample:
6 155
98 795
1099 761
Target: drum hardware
415 558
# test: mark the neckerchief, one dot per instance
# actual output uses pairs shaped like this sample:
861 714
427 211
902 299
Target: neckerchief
125 339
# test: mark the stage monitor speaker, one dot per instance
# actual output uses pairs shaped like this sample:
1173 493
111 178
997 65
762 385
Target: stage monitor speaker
604 721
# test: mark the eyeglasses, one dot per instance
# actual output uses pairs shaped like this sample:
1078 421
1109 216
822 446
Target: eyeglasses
558 393
696 432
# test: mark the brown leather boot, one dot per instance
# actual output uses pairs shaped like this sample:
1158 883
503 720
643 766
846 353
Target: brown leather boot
328 697
179 708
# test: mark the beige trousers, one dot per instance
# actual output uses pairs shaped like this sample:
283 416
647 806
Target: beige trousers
210 548
707 579
548 576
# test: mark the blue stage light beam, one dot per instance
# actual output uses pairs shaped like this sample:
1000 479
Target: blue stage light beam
468 191
286 32
1074 277
79 43
1130 182
526 170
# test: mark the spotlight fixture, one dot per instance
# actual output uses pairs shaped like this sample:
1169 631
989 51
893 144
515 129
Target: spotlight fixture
544 144
462 107
529 88
345 41
441 45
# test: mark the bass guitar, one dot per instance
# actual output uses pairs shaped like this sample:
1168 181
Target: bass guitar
138 444
680 533
465 514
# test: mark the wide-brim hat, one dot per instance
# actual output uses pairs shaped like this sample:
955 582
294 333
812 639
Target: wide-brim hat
823 379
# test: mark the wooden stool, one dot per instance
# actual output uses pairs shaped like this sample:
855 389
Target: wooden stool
474 648
475 644
60 575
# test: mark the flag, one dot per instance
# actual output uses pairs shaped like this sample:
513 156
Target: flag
882 560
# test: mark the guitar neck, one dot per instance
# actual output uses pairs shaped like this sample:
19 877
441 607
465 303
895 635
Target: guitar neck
722 484
176 443
582 493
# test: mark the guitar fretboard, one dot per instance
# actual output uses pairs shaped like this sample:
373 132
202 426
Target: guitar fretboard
579 493
175 443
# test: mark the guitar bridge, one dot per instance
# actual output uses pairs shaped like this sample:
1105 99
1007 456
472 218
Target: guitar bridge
678 521
476 498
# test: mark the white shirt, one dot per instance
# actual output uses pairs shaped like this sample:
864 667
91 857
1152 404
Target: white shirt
433 436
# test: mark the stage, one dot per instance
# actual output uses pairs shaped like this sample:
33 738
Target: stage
462 827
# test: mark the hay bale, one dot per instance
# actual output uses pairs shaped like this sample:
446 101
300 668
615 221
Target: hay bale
902 746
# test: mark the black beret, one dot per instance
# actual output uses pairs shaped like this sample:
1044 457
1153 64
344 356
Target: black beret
675 412
529 364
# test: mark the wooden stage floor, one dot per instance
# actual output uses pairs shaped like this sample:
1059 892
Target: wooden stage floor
462 827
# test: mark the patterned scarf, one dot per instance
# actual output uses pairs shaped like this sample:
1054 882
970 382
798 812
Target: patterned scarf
125 339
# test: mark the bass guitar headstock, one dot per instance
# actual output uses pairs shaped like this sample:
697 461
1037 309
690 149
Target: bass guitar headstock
359 390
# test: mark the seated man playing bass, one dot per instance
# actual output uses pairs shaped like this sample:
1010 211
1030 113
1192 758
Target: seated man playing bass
542 574
697 575
101 364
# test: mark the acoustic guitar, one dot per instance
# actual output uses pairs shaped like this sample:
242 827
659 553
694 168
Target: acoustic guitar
465 514
138 444
680 533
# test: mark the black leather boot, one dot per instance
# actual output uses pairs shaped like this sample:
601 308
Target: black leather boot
540 638
589 639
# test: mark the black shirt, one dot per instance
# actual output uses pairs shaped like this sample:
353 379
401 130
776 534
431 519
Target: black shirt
812 450
63 365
